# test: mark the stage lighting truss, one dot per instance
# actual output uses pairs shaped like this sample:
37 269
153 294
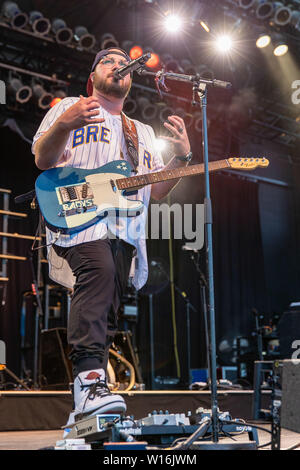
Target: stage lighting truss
263 40
278 13
21 93
85 40
35 23
108 40
12 14
40 25
26 89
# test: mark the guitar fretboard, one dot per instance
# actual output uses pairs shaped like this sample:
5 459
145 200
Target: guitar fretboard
164 175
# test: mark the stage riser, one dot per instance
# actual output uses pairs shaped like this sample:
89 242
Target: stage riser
41 411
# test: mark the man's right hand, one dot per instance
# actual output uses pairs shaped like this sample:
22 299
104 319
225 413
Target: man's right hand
80 114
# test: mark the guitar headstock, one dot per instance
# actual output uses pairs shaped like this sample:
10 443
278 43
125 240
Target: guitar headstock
247 163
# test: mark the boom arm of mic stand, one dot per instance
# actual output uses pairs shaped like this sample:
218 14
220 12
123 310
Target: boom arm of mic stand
180 77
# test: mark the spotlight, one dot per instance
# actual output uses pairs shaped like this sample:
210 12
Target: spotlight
246 4
148 110
263 41
265 10
130 106
135 52
295 20
170 64
280 48
188 118
188 67
85 40
204 26
160 145
63 34
173 23
58 96
165 112
283 15
12 12
108 40
198 122
205 72
40 25
22 93
43 97
154 60
224 44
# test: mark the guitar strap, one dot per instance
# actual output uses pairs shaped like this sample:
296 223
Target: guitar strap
131 139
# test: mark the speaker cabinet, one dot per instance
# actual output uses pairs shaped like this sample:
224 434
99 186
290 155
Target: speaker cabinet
54 366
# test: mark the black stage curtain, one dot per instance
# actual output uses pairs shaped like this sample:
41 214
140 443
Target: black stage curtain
240 280
238 275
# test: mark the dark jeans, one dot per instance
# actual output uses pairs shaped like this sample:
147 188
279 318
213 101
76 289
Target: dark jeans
101 268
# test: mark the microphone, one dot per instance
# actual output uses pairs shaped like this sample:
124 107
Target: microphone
133 65
24 197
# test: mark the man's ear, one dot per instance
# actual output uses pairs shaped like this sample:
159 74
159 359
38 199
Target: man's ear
92 76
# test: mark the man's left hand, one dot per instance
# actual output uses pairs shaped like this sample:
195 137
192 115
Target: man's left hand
179 137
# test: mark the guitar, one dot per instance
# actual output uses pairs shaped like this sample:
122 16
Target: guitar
72 199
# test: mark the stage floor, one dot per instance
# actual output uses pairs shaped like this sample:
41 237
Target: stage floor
32 420
34 440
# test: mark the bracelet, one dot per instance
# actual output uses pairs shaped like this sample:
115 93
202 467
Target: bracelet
185 158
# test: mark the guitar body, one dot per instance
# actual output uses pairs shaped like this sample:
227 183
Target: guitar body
72 199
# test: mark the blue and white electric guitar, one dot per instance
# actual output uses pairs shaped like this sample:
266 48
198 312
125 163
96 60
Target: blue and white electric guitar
72 199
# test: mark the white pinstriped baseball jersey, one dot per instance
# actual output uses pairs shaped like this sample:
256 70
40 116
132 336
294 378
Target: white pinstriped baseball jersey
91 147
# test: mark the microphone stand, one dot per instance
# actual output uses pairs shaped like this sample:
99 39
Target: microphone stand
200 89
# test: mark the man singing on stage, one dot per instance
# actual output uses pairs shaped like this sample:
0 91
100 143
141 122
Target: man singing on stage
97 261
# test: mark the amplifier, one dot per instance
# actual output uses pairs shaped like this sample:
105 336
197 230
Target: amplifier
290 407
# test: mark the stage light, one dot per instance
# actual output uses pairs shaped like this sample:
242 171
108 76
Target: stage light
246 4
63 34
58 96
165 112
170 64
265 10
187 117
173 23
135 52
148 110
280 49
188 67
205 72
108 40
263 41
283 15
154 60
43 97
22 93
130 106
16 17
295 20
224 44
204 26
39 24
160 145
85 40
198 122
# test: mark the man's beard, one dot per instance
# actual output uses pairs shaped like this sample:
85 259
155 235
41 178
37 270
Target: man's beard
111 87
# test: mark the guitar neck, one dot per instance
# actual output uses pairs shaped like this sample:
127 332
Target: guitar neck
142 180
